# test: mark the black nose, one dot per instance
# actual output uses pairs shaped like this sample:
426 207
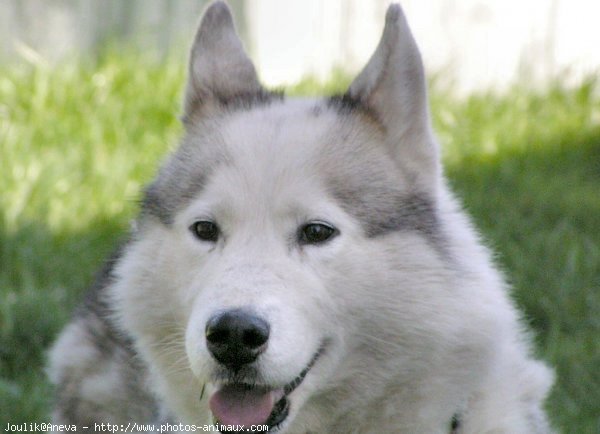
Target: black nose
236 337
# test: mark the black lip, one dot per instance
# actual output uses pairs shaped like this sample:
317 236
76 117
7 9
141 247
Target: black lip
289 388
280 412
281 409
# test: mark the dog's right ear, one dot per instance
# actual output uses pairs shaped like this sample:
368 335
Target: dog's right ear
219 69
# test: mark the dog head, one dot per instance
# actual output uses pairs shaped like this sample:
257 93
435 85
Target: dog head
276 236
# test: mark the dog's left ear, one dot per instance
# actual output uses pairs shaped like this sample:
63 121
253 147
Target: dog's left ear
392 84
219 69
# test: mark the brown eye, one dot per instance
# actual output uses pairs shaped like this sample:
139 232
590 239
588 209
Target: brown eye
205 230
316 233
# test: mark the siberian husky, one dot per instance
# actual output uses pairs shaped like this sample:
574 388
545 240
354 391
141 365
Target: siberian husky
300 266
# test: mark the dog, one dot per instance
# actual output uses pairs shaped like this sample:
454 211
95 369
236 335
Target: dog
300 266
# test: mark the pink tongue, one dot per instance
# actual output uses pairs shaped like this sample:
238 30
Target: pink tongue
238 405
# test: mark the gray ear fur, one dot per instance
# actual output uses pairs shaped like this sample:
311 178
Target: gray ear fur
392 84
219 69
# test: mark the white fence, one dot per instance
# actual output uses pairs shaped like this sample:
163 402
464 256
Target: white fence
473 43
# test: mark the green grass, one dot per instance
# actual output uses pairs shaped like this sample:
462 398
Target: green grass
78 141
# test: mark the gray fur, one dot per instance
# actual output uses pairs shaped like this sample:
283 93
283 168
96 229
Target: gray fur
397 212
392 85
110 363
217 87
346 104
103 357
216 81
178 182
183 176
366 189
383 207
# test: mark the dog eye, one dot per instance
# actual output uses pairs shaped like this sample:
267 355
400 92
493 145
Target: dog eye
205 230
316 233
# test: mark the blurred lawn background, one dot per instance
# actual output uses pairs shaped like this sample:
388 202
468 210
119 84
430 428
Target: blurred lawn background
79 140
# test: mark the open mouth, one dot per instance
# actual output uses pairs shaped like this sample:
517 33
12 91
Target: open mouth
237 404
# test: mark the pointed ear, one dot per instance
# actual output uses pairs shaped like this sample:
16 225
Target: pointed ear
219 69
392 84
